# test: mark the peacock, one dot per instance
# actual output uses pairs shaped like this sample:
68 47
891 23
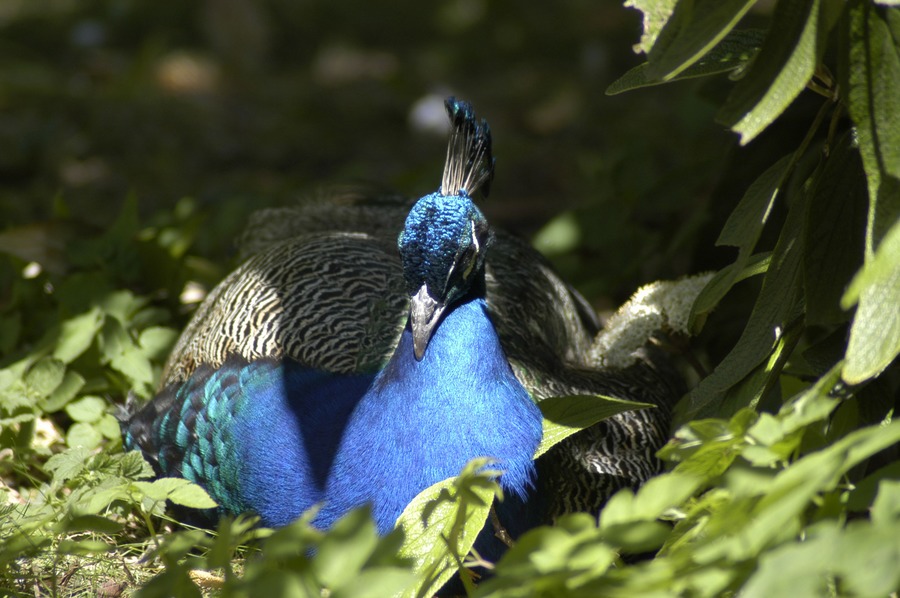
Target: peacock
330 368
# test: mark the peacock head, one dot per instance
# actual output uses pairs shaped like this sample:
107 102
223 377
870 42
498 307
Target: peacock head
443 243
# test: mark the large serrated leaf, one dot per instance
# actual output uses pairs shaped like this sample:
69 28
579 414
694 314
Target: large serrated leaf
67 464
691 32
179 491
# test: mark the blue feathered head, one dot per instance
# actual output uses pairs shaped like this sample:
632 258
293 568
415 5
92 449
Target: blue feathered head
443 244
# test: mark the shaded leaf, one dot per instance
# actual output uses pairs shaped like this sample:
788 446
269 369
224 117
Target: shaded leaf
742 230
564 416
693 29
777 306
730 54
835 242
67 390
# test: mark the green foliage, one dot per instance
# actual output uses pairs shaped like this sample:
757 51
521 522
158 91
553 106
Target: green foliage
440 525
783 469
350 560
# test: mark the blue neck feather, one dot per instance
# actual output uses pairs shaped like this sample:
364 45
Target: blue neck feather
309 437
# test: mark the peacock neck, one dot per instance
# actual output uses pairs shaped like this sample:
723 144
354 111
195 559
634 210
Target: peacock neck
459 402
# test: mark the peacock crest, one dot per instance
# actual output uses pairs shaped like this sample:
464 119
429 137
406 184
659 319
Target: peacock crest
470 162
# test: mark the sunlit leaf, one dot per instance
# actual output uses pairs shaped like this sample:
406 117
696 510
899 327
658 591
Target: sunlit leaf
77 334
84 435
873 99
86 409
45 376
656 13
441 524
875 333
179 491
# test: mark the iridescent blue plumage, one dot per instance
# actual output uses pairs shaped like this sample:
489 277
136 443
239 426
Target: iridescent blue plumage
276 437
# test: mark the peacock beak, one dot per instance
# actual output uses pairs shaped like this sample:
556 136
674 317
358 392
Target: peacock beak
424 313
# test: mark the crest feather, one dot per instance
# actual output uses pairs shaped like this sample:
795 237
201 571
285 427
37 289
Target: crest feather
470 161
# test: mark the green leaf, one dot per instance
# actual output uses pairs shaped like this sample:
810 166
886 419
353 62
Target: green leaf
67 390
694 28
794 488
87 409
45 376
835 242
745 224
810 563
92 523
564 416
68 464
345 548
134 364
179 491
785 64
108 426
777 307
875 333
863 494
730 54
77 334
440 525
873 100
742 230
84 435
652 499
347 559
553 561
157 341
122 305
375 583
656 13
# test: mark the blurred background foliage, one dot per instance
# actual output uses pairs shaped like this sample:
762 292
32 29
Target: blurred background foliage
239 105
